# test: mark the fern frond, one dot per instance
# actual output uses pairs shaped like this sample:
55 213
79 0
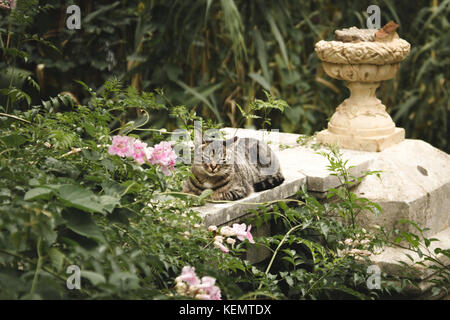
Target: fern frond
61 139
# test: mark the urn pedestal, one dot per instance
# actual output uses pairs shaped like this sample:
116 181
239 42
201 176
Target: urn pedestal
361 121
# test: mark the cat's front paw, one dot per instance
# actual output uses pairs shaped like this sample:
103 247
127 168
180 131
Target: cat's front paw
230 195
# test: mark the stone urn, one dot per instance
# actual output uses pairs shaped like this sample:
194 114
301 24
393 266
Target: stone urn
364 58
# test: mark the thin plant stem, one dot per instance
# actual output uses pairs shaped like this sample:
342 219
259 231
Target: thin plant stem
38 266
278 249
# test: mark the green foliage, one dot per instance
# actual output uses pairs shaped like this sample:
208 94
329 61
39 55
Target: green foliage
429 256
320 252
65 201
308 260
348 205
213 56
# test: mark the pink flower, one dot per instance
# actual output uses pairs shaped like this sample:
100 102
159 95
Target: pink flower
188 275
227 231
121 146
249 235
148 153
242 233
164 156
7 4
239 231
208 286
214 293
161 154
231 241
221 246
207 283
139 152
189 284
212 228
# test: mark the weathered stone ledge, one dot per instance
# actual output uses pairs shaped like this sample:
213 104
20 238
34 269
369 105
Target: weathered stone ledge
300 165
391 259
222 213
414 184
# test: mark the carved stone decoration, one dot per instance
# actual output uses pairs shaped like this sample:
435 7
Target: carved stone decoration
364 58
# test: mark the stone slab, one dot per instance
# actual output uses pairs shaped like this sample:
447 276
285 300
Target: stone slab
414 185
299 164
371 144
315 167
222 213
389 260
306 160
272 137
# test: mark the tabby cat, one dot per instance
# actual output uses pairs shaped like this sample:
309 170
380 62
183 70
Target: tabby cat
234 168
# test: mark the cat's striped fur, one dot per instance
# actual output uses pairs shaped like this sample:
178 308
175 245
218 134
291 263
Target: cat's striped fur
234 168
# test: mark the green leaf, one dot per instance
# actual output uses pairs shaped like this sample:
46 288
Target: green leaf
121 215
278 37
94 277
34 182
90 129
91 155
262 53
38 193
80 198
435 291
109 202
113 188
103 9
16 94
124 280
202 98
82 224
289 281
33 83
13 140
205 194
56 257
260 79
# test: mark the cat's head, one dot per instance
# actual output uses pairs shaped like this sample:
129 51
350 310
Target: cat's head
215 158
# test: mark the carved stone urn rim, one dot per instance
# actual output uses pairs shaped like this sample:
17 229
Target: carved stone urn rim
364 52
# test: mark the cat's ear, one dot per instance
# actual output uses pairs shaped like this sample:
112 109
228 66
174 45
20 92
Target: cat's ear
230 141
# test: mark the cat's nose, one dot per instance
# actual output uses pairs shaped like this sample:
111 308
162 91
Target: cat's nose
213 165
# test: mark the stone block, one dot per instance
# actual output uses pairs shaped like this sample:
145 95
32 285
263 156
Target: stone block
390 258
315 166
307 160
221 213
273 138
355 142
414 185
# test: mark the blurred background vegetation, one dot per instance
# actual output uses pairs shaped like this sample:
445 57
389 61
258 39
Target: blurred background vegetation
213 54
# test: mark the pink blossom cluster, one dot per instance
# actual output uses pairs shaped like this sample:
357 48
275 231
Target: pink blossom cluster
161 154
240 231
7 4
188 284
